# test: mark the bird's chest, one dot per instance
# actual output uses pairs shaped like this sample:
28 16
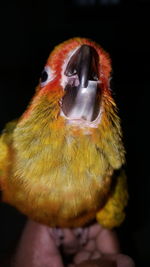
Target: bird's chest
62 184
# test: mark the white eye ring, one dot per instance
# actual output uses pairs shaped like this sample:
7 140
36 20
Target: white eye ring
46 76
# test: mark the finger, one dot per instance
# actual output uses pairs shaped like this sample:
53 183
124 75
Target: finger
124 261
81 257
119 260
85 255
37 248
101 241
107 242
94 230
110 261
90 246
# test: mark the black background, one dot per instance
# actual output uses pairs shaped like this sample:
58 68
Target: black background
28 32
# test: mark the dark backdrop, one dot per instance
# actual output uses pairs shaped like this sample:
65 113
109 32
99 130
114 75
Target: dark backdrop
28 32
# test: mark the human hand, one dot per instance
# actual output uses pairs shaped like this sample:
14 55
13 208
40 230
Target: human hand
37 248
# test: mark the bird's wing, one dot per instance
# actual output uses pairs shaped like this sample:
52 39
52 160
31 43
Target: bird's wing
5 146
113 214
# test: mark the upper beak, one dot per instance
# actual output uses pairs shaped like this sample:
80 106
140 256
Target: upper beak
84 63
81 99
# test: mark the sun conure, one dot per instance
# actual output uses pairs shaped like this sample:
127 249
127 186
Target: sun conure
61 162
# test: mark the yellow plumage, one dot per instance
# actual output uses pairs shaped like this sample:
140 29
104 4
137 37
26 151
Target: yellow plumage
59 174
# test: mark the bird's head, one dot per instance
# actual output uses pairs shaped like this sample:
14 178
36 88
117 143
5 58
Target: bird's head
75 81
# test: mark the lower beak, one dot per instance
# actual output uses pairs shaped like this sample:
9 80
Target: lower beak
82 95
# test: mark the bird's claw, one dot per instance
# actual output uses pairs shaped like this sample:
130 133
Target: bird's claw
80 234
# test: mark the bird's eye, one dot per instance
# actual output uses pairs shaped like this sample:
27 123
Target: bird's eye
46 76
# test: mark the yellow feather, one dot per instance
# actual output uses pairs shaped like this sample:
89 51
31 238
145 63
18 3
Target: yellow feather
60 174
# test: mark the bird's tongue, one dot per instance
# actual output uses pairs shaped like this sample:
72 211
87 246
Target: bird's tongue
82 97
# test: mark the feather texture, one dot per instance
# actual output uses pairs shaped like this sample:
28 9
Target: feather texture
56 173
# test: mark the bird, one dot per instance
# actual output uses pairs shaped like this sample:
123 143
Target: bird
62 162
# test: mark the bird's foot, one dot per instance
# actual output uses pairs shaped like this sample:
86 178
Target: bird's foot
78 236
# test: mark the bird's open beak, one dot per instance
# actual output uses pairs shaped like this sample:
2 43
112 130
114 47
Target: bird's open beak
82 95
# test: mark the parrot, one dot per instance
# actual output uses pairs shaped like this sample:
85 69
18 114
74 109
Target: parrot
62 162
